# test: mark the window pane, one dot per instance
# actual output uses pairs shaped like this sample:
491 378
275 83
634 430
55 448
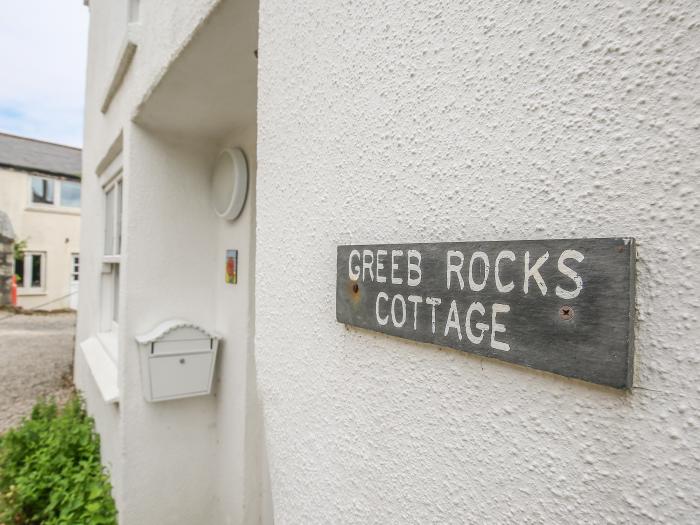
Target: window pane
75 274
109 222
19 271
36 271
115 294
42 190
70 194
119 218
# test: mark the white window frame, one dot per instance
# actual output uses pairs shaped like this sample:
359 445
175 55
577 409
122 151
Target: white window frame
112 256
101 349
60 194
57 187
75 267
111 179
51 180
22 289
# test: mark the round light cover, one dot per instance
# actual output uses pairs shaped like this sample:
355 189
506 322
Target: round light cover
229 184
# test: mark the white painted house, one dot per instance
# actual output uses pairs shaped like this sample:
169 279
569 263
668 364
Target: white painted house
384 122
40 193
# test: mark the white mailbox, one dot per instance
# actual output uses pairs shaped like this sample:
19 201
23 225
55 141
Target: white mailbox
177 360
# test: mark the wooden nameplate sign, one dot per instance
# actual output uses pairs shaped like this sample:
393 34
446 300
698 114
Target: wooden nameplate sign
564 306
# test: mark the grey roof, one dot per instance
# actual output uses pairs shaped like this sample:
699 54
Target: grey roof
6 226
36 155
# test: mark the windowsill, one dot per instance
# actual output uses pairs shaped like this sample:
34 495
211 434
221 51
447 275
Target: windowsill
21 292
110 343
53 209
100 353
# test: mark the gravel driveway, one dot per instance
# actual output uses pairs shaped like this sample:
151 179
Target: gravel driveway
36 355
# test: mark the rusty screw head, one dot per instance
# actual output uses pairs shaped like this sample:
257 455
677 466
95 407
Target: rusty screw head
566 313
355 288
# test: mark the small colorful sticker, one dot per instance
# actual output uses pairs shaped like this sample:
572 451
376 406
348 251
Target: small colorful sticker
232 266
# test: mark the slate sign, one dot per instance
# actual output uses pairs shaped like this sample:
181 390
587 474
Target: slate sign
564 306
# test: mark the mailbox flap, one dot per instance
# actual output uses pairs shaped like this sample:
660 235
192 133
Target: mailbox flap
176 330
182 346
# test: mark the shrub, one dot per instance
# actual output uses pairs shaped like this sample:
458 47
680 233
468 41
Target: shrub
50 470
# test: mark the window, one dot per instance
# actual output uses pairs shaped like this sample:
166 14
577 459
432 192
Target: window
55 192
113 218
75 267
42 190
31 271
101 349
70 194
112 253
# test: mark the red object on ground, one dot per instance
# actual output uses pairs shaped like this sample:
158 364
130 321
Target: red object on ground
13 291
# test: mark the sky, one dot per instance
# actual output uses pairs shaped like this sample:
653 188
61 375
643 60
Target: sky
43 47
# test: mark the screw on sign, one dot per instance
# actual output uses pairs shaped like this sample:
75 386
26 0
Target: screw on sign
566 313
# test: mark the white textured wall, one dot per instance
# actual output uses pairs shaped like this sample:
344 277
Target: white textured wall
162 31
189 461
435 121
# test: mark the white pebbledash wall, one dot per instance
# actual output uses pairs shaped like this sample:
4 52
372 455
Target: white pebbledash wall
459 121
198 460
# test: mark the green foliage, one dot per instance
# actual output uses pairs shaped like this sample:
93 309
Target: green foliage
19 247
50 471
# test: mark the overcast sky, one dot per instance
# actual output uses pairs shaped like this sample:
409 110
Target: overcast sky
43 45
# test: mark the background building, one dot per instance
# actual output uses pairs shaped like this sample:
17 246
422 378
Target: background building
40 193
390 122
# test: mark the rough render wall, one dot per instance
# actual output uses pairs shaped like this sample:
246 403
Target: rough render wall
166 275
169 26
239 433
434 121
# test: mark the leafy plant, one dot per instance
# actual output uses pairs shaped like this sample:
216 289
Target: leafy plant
19 248
50 470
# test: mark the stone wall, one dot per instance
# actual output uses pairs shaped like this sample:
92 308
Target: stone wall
6 270
7 236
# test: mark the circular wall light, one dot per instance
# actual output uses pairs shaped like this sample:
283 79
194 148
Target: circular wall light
229 184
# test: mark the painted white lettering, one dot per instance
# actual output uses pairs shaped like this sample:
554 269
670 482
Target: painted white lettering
455 268
453 320
367 260
413 267
400 298
415 299
433 301
354 271
563 268
498 327
479 326
380 320
394 266
380 266
477 287
505 254
534 272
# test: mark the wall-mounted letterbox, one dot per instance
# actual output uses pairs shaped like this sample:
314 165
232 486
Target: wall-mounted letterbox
177 360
